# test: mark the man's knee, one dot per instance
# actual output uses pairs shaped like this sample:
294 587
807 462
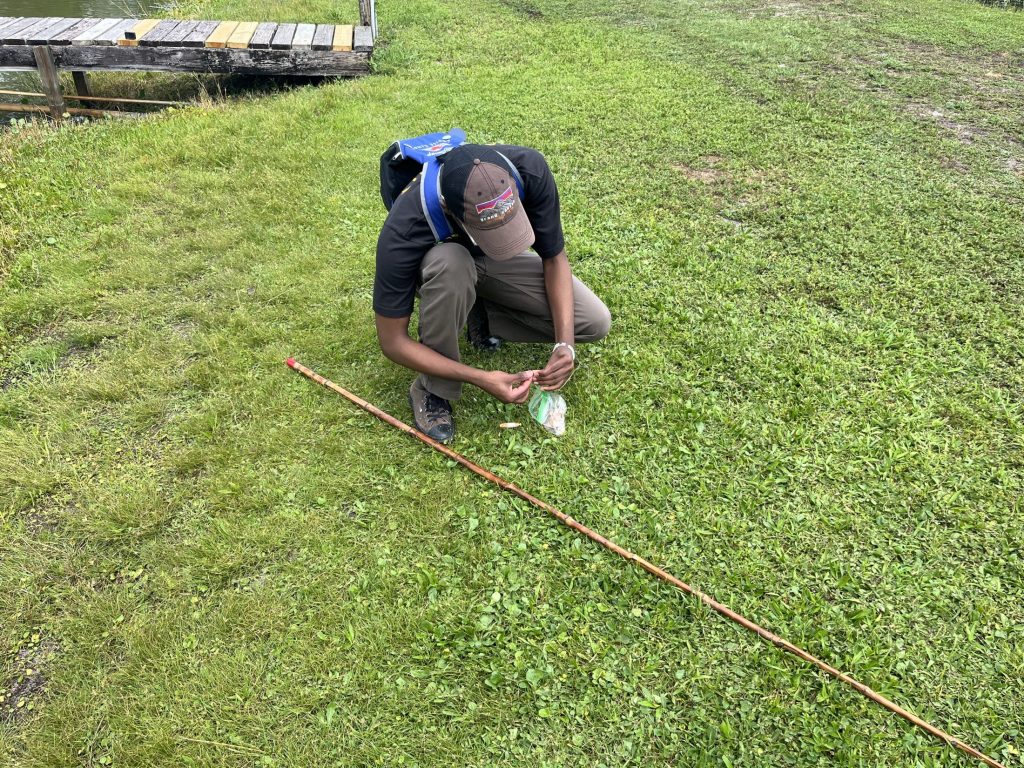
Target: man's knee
449 266
595 323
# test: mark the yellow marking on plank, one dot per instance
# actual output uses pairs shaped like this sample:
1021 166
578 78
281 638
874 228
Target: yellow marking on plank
243 34
140 31
342 38
219 37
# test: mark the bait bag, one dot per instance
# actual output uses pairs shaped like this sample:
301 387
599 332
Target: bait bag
548 409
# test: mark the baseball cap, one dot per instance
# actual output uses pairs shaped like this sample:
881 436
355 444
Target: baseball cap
479 190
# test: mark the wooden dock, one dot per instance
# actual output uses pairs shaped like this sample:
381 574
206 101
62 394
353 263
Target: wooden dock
175 45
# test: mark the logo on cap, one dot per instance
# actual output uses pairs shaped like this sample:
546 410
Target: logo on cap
498 206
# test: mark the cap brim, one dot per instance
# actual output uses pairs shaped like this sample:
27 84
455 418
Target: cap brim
510 239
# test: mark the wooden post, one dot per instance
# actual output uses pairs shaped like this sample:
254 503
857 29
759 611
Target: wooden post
365 15
50 79
81 83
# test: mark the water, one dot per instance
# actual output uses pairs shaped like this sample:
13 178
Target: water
77 8
68 9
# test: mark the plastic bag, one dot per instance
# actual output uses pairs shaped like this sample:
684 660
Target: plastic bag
548 409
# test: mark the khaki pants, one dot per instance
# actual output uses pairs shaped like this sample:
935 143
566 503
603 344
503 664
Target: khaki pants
515 298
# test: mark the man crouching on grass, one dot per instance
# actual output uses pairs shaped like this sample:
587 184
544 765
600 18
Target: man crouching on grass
483 278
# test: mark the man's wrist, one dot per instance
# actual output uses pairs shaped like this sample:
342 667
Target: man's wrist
479 378
566 345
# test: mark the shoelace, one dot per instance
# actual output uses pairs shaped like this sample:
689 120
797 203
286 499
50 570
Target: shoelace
435 407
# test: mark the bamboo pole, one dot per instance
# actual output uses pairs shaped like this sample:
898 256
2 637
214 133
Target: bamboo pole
75 111
654 570
75 97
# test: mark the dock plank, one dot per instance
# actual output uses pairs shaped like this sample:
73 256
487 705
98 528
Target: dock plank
342 38
131 36
362 39
197 37
29 32
180 32
303 40
323 38
32 33
65 37
10 34
88 37
160 31
116 32
219 37
243 34
43 36
283 37
263 35
11 20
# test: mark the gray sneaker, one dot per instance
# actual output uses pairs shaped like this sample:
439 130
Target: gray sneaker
431 414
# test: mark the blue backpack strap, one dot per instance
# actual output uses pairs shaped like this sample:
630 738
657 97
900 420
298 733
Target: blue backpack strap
430 196
430 199
426 149
515 175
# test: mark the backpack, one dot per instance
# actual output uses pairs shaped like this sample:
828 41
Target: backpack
407 159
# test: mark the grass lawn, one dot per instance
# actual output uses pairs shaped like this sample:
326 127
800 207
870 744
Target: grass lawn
806 219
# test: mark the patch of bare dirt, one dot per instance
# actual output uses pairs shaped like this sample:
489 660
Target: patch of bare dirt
706 172
787 9
953 164
973 95
184 328
525 8
73 354
37 523
27 680
9 378
967 134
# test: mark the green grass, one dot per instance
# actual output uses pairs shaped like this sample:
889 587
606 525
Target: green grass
805 218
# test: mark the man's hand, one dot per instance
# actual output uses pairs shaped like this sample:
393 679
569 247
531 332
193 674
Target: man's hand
508 387
558 370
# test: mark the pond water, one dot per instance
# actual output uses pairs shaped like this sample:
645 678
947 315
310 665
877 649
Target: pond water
69 9
75 8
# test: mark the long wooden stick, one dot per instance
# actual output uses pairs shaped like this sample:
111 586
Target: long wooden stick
724 610
77 97
38 108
